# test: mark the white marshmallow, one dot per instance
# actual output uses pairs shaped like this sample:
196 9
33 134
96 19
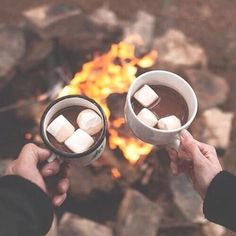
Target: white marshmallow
89 121
147 117
169 122
60 128
146 96
79 141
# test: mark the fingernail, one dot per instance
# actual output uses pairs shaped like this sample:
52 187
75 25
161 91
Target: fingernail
48 172
60 201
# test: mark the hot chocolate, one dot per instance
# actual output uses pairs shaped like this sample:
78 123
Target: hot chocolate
169 103
71 114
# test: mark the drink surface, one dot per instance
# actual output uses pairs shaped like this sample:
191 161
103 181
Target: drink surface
170 102
71 113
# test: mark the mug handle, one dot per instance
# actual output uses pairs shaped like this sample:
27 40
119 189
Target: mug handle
175 143
53 157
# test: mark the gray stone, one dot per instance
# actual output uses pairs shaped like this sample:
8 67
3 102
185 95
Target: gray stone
12 49
104 17
187 199
88 181
37 50
140 32
53 20
138 216
176 50
214 127
211 89
73 225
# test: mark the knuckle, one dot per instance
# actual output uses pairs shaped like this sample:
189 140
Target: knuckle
29 146
190 143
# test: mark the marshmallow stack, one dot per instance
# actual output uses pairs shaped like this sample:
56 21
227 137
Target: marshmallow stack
81 140
169 122
60 129
89 121
146 96
147 117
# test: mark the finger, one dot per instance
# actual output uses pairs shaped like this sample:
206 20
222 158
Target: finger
59 199
208 151
64 172
173 154
174 168
63 185
190 147
51 168
33 153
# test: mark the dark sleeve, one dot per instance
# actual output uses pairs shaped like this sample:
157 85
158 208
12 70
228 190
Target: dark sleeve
24 208
220 201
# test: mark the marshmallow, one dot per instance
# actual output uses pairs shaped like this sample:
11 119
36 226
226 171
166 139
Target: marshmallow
146 96
89 121
79 141
147 117
169 122
60 128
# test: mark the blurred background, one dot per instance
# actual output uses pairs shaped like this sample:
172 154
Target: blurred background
97 48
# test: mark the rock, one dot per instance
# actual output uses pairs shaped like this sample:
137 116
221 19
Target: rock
12 49
176 50
89 181
104 17
210 229
213 127
187 199
37 50
140 32
53 20
211 89
93 31
73 225
138 216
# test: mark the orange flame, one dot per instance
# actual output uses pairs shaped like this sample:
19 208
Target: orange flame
115 173
110 73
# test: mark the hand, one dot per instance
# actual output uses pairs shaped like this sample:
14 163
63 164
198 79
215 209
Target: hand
27 166
197 160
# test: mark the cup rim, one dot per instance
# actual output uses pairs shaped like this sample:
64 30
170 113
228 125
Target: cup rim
67 154
187 124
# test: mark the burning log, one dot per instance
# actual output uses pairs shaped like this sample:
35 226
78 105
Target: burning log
138 216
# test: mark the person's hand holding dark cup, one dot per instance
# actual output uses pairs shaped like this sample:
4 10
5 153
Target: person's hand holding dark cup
27 166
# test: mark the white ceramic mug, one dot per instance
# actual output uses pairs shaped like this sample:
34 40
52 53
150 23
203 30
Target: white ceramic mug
151 135
95 150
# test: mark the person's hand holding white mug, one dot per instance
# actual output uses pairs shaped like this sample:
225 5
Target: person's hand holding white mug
27 166
197 160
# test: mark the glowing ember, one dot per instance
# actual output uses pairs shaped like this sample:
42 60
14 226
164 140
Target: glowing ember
110 73
115 173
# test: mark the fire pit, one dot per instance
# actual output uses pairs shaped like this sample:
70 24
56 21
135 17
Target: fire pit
129 190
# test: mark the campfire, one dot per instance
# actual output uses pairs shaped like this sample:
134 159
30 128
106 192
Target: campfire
112 73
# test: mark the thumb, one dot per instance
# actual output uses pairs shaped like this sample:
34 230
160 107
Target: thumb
190 147
33 154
